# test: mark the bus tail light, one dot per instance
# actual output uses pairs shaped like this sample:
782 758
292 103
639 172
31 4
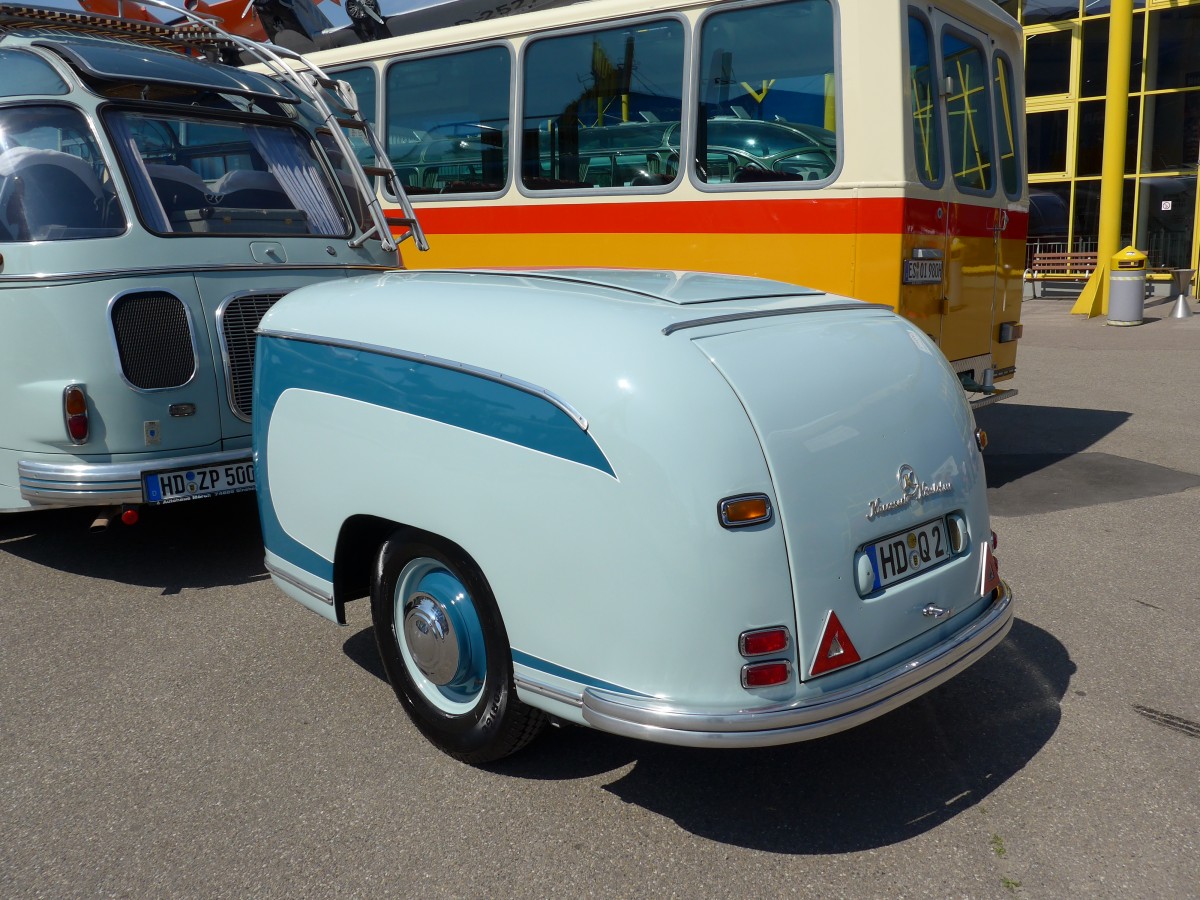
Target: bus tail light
75 413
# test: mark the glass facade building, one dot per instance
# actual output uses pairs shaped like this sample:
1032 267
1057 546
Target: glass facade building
1066 71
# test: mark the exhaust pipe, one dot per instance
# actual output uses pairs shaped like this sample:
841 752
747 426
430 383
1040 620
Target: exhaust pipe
104 519
127 514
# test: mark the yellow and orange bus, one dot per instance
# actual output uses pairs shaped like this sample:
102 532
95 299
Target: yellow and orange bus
871 149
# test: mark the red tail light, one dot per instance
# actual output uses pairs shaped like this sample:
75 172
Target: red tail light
766 674
75 413
763 641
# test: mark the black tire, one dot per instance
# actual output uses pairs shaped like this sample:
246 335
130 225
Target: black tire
472 714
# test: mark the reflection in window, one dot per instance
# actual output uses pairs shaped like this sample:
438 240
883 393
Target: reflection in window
1085 225
448 121
1172 139
1036 11
1006 105
362 81
1048 63
602 109
774 66
1089 153
1174 37
968 113
54 185
1047 138
1094 66
926 102
26 73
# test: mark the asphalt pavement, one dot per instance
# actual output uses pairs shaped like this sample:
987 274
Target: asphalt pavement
172 726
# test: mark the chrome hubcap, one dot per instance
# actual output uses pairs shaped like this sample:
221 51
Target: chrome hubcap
429 634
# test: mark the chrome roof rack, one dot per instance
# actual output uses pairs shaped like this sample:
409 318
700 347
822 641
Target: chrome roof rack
198 33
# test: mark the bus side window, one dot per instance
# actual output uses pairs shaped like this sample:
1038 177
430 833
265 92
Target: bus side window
767 92
598 106
447 121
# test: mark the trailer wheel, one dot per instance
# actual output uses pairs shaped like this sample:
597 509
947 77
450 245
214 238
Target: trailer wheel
446 652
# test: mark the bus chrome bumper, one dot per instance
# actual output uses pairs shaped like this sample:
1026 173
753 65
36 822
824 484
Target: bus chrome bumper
47 484
812 717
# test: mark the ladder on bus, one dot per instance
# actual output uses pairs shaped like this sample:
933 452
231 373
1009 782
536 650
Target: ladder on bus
311 82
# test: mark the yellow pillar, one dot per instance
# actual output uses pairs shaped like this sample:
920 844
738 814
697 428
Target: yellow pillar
1094 299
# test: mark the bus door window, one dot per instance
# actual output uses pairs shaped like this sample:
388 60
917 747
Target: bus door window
599 106
447 121
926 244
971 262
1009 244
768 108
54 184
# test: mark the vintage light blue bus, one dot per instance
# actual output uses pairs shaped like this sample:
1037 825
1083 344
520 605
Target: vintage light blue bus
704 510
154 203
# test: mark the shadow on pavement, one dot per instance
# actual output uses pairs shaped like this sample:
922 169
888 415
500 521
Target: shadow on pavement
1038 461
203 544
882 783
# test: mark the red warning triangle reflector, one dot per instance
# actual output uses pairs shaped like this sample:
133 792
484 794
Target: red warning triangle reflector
835 649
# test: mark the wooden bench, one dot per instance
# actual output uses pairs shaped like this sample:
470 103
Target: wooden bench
1071 266
1078 266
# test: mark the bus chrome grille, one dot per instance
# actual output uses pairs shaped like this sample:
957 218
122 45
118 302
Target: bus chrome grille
239 320
154 340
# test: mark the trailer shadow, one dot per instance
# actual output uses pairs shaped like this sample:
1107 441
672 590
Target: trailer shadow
203 544
887 781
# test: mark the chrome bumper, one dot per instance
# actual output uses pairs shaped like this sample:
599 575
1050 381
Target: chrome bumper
48 484
814 717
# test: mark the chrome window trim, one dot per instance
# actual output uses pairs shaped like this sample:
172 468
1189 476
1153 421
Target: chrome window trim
219 318
112 333
809 717
452 365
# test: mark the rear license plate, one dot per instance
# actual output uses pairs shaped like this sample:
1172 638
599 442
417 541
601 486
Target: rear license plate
909 553
175 485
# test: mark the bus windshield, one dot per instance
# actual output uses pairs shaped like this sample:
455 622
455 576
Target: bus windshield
198 176
54 184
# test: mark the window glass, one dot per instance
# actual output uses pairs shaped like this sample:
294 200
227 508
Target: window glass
1169 222
1048 63
25 73
1008 127
205 176
1089 142
1172 131
1049 213
366 94
447 128
1174 37
1085 226
1102 7
1047 138
602 109
1036 11
1093 80
771 67
968 113
926 102
54 185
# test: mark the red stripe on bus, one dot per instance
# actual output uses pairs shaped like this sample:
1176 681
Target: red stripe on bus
790 216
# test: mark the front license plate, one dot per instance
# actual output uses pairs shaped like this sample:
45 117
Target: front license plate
909 553
175 485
